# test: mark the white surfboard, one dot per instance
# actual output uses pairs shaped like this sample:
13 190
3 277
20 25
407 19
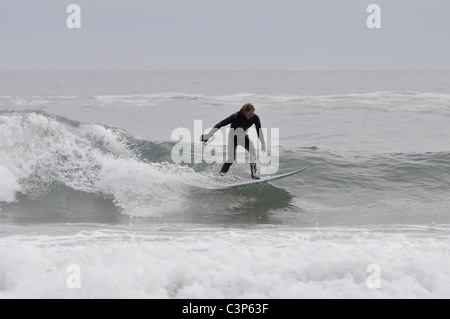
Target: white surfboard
262 180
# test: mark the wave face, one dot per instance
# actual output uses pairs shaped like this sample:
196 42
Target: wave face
49 160
54 168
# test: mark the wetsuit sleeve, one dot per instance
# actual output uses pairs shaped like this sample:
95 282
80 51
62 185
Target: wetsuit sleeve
259 131
218 126
227 121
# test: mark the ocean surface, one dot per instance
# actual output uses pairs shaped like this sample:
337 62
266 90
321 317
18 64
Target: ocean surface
87 180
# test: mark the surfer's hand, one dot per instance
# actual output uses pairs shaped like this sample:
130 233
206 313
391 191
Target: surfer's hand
263 148
205 138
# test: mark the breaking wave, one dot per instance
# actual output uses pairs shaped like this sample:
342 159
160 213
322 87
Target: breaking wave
53 167
43 156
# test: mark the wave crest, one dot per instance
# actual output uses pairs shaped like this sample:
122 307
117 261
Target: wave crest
39 151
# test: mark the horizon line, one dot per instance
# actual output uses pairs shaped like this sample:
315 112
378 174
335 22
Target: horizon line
219 70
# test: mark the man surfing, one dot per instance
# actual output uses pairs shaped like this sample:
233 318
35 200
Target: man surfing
240 123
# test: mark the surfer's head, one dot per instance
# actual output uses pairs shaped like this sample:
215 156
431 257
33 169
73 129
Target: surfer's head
248 110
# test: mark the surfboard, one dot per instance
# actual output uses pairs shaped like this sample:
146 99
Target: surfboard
262 180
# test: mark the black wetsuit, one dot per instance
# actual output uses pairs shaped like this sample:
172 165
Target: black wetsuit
239 121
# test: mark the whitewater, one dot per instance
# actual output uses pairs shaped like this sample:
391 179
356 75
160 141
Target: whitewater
87 179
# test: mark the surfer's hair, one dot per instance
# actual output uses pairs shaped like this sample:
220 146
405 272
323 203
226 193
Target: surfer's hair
248 107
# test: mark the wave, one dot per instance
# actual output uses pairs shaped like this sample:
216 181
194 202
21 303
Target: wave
424 171
272 262
391 100
51 166
40 153
381 101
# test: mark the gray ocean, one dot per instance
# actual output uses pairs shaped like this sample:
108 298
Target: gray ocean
87 182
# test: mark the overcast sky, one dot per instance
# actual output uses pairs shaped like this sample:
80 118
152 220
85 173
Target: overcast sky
225 35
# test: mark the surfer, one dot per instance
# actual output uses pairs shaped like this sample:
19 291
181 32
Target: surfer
240 123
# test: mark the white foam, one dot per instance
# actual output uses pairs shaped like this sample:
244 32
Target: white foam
143 100
218 263
382 101
141 189
9 185
38 151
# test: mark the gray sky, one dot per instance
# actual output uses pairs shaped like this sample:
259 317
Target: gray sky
225 35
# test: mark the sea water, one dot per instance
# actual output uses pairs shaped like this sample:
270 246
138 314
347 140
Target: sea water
87 179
